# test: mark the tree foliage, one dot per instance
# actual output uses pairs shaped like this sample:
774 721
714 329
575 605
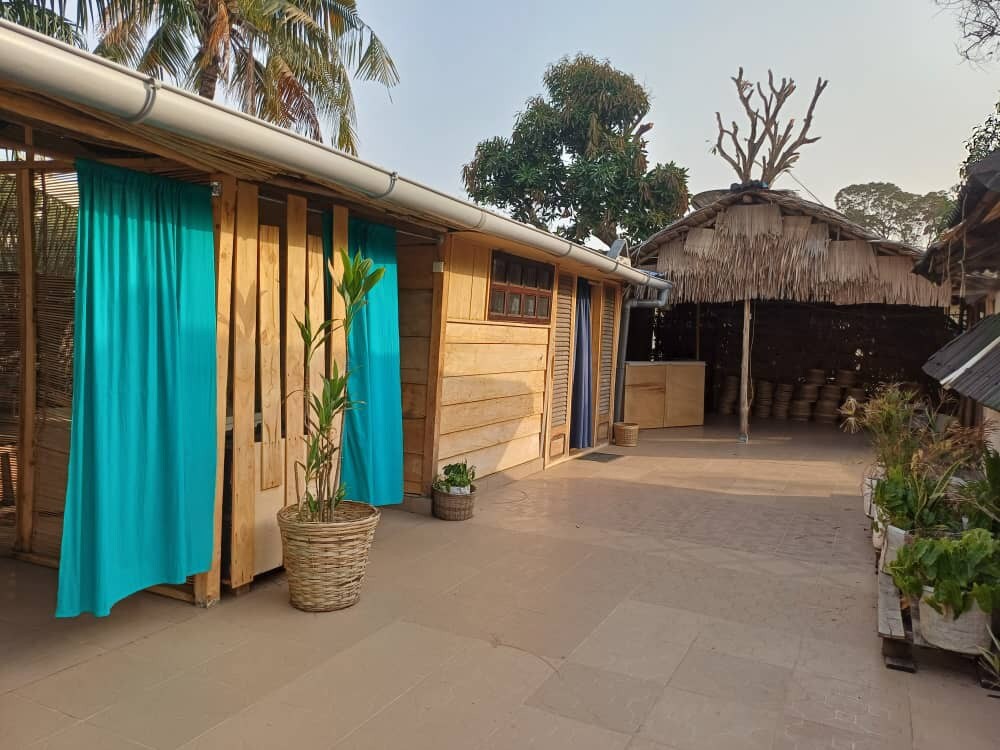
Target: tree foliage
985 139
577 159
894 213
287 61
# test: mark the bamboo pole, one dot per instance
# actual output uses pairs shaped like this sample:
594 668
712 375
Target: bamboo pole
26 428
745 376
697 331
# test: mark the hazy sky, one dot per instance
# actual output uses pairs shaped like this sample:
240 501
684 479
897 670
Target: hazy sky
899 105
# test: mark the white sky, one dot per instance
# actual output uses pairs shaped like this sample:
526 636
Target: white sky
899 106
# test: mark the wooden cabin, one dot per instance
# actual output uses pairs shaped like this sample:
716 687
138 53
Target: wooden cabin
489 309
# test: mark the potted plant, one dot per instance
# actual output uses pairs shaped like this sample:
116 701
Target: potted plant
907 502
454 493
957 582
325 537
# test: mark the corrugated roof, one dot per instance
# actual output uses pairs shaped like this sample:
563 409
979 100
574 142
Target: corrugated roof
981 380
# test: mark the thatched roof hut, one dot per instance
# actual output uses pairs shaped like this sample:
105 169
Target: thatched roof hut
753 243
773 245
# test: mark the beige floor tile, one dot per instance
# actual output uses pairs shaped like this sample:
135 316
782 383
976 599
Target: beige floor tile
861 663
688 721
84 736
191 643
36 657
173 712
643 743
92 686
881 711
459 705
23 722
731 677
759 644
471 615
798 734
595 696
534 729
641 640
271 725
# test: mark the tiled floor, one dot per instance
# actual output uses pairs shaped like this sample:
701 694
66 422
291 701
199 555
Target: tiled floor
696 594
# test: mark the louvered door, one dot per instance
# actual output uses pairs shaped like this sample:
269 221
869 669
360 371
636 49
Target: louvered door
605 363
562 367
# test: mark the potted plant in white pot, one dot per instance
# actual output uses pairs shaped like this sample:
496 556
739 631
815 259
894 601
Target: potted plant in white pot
325 537
454 494
957 581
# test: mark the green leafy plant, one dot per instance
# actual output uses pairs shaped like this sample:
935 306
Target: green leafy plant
961 571
909 500
979 497
321 491
455 475
990 659
889 416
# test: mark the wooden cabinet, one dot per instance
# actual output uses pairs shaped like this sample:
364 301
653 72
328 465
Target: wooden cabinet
665 394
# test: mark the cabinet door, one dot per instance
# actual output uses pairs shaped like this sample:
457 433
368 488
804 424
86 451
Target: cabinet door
645 395
685 397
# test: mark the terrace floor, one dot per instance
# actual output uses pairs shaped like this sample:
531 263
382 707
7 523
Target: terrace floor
695 593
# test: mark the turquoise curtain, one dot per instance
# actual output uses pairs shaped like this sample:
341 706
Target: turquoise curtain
141 489
373 428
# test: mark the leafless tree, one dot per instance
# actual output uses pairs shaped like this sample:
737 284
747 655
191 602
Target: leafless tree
979 21
771 145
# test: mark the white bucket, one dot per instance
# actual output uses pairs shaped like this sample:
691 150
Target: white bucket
895 539
968 634
878 530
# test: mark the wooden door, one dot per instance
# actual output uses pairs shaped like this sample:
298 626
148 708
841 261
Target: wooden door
604 359
561 366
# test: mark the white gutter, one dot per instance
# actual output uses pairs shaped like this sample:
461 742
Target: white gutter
949 380
37 62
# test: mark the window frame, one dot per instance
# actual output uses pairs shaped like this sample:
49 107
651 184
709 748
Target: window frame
539 292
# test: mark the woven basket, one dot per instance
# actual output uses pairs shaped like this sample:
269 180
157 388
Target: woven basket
626 434
325 562
450 507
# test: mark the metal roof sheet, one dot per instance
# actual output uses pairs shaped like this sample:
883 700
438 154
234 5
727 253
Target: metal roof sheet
981 381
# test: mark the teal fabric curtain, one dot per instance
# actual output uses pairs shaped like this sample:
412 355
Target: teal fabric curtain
141 489
372 462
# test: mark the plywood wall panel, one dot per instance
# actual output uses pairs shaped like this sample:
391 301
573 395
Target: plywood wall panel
467 388
482 359
464 416
487 436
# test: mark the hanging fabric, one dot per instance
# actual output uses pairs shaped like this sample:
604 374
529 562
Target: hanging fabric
141 478
372 460
581 423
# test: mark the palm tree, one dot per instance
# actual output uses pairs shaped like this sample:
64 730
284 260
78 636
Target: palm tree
40 18
286 61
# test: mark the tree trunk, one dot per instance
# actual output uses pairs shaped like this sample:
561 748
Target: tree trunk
210 62
745 376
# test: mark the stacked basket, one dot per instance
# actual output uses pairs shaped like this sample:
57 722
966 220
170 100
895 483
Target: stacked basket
763 398
828 407
729 395
802 406
782 400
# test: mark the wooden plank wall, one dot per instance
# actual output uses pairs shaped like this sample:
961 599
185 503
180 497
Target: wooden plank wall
493 375
416 284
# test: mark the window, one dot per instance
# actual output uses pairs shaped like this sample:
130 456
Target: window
520 290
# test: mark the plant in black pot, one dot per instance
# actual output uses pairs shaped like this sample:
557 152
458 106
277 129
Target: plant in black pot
454 492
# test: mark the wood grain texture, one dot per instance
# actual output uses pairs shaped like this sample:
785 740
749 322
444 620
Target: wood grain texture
685 396
244 484
467 388
484 359
28 375
272 469
208 585
338 341
464 416
414 400
314 301
296 261
468 272
560 374
415 312
435 365
499 457
267 503
477 438
494 333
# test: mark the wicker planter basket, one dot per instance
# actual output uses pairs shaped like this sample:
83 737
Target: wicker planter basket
450 507
626 434
325 562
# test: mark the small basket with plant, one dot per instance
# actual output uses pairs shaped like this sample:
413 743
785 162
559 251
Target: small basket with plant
454 493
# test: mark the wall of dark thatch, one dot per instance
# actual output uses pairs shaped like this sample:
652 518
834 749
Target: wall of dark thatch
884 343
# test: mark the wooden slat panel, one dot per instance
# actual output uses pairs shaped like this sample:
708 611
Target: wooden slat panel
207 586
460 272
296 260
267 537
562 357
480 283
413 435
480 359
477 438
413 356
435 362
244 354
414 264
607 351
488 333
272 468
464 416
412 467
466 388
338 342
499 457
28 373
415 312
315 274
414 400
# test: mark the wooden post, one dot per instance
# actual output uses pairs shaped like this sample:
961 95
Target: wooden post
435 363
208 585
745 376
26 428
337 350
296 259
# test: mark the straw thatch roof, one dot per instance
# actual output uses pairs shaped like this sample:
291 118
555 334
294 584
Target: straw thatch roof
768 244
